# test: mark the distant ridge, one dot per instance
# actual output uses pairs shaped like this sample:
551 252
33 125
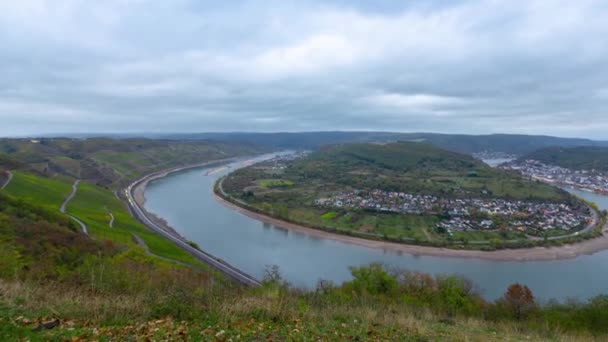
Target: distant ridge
575 158
508 143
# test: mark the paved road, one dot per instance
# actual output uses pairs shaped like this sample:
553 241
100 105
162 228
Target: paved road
8 180
205 257
591 226
111 223
65 203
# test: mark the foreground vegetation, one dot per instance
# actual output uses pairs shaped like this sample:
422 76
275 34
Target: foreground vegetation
51 275
288 192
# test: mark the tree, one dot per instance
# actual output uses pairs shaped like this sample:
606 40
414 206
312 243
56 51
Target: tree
520 299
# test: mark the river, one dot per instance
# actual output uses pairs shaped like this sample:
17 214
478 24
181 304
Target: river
186 201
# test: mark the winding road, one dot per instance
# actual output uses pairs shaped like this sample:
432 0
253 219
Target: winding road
215 262
65 203
588 228
8 180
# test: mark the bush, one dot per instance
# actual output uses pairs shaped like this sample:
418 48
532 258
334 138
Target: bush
373 280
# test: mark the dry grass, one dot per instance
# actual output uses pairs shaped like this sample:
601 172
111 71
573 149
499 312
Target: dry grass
266 308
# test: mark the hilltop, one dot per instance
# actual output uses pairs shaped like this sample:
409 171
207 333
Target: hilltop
574 158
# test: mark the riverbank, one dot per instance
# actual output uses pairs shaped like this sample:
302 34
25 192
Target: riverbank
135 195
136 191
570 251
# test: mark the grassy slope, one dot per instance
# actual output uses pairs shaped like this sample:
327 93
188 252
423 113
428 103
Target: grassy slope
93 204
48 192
249 317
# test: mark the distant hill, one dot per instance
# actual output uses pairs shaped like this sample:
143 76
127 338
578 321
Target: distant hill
401 156
416 167
402 166
111 162
508 143
575 158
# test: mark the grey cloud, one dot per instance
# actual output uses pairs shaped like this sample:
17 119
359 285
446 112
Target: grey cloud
466 66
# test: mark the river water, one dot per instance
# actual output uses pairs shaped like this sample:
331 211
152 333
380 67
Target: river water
186 201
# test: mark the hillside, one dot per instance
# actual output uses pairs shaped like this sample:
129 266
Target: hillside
468 144
110 162
574 158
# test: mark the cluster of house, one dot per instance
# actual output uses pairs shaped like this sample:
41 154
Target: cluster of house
466 213
589 180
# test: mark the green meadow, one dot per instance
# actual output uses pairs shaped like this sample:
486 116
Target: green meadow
92 205
47 192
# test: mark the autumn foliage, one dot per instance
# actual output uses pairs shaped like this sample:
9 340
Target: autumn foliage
519 299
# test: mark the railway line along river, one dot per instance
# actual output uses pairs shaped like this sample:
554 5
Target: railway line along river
186 201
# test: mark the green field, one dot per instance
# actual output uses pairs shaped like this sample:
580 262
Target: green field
384 225
93 205
47 192
276 183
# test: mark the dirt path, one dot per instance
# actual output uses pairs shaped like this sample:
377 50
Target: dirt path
426 233
111 223
70 196
65 203
8 180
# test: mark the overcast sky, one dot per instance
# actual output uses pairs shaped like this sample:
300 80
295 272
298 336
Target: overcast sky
536 67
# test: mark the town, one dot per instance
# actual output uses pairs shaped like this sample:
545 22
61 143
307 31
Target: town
588 180
465 214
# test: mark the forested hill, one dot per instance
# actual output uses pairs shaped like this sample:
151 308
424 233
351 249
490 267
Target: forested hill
414 168
575 158
399 156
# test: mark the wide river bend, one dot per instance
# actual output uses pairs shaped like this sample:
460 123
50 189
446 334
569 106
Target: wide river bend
185 199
